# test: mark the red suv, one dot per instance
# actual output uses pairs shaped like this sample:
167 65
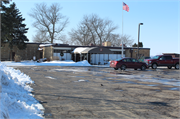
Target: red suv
124 63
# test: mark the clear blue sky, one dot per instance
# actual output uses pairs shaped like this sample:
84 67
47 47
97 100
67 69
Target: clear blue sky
161 19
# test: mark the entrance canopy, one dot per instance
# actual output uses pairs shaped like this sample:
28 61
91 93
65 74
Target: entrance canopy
98 50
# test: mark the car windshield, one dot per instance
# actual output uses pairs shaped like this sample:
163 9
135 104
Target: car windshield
118 59
155 57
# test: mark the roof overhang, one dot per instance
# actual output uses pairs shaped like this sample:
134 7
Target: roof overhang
97 50
62 48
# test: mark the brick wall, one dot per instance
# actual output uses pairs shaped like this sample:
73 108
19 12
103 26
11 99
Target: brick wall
142 52
128 54
5 52
26 54
48 52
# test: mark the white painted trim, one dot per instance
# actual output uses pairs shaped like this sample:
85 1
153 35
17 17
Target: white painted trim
63 48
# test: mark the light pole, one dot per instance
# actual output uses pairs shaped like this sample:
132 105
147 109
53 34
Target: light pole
138 37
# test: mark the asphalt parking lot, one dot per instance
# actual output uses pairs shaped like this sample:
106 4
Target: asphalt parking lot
92 92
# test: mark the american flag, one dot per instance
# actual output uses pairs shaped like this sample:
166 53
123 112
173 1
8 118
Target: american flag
125 7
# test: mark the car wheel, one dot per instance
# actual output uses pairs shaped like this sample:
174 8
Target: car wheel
169 67
135 68
143 67
123 67
154 66
115 68
177 66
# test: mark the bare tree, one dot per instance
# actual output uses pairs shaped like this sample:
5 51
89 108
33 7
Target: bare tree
81 36
102 27
64 39
116 40
87 22
127 40
93 29
40 37
49 20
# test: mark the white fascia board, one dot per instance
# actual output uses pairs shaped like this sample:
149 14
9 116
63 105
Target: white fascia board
43 45
62 48
117 49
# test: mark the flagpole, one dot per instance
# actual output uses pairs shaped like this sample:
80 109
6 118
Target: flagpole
122 33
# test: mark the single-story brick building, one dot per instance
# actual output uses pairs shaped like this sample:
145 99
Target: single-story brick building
26 54
66 52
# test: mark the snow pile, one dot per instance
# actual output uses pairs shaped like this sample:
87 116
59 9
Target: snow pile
64 63
16 101
83 63
79 50
44 45
51 63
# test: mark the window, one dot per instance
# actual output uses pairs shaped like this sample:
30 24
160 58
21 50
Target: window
155 57
126 60
177 55
168 57
163 57
134 60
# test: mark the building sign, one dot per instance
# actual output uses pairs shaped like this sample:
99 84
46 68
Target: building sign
101 49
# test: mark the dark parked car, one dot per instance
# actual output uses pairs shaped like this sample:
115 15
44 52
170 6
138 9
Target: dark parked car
124 63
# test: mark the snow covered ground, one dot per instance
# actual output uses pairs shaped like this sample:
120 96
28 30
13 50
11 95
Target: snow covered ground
16 100
52 63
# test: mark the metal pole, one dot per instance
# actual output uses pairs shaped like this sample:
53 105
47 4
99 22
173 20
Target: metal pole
122 33
138 40
139 36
